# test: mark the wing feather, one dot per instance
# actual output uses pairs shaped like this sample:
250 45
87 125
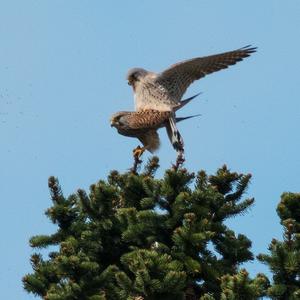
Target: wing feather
147 119
177 78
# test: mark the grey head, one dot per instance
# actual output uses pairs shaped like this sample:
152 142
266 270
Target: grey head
135 74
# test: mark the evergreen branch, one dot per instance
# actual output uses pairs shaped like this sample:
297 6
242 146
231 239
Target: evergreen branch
55 190
231 209
151 167
223 180
136 164
241 187
43 241
114 244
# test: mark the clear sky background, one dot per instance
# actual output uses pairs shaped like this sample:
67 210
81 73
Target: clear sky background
62 74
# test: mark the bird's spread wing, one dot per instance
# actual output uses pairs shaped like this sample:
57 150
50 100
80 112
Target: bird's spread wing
175 80
150 140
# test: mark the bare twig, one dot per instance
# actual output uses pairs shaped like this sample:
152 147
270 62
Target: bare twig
136 164
179 161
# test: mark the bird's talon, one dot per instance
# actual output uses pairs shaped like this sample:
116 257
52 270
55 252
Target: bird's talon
137 153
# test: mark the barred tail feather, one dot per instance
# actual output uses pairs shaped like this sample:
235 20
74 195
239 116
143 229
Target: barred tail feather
174 135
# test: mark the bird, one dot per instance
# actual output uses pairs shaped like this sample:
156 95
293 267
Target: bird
157 97
143 124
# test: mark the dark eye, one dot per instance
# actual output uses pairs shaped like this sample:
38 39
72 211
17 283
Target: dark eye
133 77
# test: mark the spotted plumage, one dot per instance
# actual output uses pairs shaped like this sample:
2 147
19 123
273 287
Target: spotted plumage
164 90
142 125
158 96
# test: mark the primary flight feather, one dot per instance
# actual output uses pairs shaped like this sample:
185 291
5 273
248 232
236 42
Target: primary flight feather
164 90
158 96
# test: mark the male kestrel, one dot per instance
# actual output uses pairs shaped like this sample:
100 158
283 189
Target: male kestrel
158 96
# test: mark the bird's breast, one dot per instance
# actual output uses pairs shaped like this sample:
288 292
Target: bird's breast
129 132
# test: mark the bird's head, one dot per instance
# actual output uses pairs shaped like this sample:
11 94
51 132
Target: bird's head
134 75
119 119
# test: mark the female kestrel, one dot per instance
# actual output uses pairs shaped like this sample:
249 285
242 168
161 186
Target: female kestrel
158 96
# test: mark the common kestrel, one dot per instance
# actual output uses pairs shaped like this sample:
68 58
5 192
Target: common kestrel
143 124
158 96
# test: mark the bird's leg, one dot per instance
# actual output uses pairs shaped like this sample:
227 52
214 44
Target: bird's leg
137 153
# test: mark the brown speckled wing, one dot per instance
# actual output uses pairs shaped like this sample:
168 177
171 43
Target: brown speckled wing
147 119
178 77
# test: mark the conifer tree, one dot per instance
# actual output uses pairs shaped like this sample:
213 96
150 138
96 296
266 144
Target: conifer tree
137 237
284 257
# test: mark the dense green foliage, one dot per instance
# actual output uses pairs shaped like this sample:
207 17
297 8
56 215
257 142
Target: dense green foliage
284 257
137 237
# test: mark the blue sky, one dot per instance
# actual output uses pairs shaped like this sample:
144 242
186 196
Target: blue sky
62 74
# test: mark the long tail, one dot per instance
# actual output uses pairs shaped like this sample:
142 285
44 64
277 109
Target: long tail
179 119
185 101
174 135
